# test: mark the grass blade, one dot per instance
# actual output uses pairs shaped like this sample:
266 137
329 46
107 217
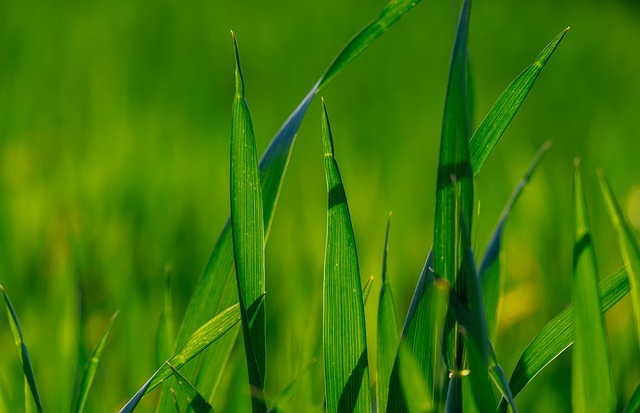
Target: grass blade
634 402
166 335
198 403
419 398
592 388
490 270
387 331
91 367
366 290
290 390
344 337
488 134
30 388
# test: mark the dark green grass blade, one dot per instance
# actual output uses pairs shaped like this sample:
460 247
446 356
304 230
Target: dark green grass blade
31 389
198 403
628 246
592 388
166 332
558 334
344 337
495 123
634 402
490 270
419 398
387 331
91 367
247 228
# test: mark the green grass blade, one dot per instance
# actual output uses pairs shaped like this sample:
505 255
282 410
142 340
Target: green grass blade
490 269
344 336
31 389
634 402
91 367
628 246
495 123
387 331
419 398
366 290
166 335
291 388
198 403
592 388
247 228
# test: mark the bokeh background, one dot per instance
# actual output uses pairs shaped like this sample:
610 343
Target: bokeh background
114 158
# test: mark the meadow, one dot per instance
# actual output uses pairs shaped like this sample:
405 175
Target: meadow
115 130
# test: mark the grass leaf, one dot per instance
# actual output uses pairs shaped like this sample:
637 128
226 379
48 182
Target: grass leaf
291 388
344 336
198 403
166 335
634 402
366 290
419 398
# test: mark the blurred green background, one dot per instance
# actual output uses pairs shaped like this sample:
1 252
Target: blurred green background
114 157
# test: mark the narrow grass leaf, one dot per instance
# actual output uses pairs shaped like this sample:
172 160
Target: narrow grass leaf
166 334
344 337
628 246
198 403
366 290
89 372
30 388
490 269
503 111
592 388
419 398
289 391
634 402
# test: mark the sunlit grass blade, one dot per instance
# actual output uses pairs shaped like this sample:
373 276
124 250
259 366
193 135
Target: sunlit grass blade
344 338
495 123
419 399
366 290
388 333
91 367
592 388
196 402
30 388
490 269
634 402
558 334
628 246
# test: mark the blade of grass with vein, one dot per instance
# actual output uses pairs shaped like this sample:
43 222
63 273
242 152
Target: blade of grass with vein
387 331
247 229
634 402
490 269
198 403
592 388
91 367
344 336
628 246
495 123
30 388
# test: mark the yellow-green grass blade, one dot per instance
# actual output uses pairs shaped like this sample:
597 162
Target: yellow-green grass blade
30 388
91 367
488 134
490 270
634 402
196 402
628 246
166 332
344 337
388 333
592 388
558 334
247 229
366 290
418 397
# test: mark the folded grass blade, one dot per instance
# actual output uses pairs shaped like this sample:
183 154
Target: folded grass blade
495 123
344 337
30 388
196 402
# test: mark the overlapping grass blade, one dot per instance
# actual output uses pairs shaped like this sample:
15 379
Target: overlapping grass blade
387 331
344 336
30 388
558 334
592 388
628 246
495 123
196 402
91 367
418 397
634 402
490 269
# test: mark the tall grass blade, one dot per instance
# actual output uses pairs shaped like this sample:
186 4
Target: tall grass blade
196 402
634 402
503 111
592 388
344 337
89 372
166 332
490 269
419 398
30 388
628 246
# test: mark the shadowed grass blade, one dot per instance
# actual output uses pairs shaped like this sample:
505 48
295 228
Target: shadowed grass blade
634 402
592 388
30 388
247 228
495 123
490 269
198 403
91 367
344 337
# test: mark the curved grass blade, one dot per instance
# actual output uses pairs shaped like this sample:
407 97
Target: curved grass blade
387 332
592 388
634 402
558 334
628 246
488 134
30 388
344 336
91 367
490 269
198 403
